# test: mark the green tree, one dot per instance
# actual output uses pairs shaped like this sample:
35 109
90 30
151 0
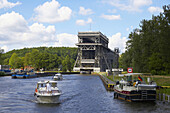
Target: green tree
155 63
1 51
13 61
27 59
148 47
68 63
35 59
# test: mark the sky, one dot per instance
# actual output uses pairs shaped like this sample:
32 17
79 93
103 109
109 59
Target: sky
56 23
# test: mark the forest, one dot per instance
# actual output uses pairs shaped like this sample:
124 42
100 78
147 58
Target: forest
48 58
148 48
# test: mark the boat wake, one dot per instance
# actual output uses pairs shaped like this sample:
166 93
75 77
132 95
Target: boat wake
70 97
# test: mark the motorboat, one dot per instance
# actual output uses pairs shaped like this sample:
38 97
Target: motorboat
134 88
24 74
44 96
58 76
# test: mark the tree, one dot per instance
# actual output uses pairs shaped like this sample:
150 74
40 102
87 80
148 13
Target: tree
50 58
148 47
1 51
27 59
13 61
35 59
68 63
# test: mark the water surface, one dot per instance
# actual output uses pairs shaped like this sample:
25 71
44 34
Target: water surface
80 94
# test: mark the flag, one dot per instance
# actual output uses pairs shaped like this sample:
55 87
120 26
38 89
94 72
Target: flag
140 78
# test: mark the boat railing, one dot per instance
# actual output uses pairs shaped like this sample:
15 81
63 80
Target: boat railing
49 92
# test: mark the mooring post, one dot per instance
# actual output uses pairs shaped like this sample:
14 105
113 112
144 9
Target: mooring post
160 96
164 97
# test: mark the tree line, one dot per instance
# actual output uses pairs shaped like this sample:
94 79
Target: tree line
148 48
48 58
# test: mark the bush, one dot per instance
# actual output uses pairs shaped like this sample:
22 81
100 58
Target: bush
153 72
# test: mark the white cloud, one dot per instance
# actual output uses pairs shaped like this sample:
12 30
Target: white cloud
15 33
66 40
13 22
84 11
5 48
155 9
6 4
117 41
50 12
83 22
130 5
112 11
127 29
111 17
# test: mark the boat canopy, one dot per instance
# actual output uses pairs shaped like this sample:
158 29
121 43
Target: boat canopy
44 82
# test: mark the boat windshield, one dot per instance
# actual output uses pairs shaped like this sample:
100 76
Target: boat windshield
44 85
53 85
41 85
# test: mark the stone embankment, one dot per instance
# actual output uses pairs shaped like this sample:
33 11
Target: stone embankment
109 85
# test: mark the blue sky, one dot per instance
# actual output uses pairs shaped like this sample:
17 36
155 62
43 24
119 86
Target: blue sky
34 23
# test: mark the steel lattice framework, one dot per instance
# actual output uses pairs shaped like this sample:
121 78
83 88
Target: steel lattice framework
94 54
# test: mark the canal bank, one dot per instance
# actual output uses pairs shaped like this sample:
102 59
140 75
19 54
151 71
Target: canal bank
109 85
53 73
41 74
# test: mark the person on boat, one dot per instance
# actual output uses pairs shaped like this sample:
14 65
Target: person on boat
48 86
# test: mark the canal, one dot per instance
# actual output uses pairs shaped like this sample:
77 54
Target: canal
80 94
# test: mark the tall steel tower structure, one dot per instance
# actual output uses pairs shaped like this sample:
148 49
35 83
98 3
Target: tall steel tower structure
94 54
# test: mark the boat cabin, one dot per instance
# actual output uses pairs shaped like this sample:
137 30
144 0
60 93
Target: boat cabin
42 84
135 81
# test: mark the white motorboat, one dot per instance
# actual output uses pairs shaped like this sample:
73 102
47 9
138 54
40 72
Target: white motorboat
134 88
58 76
44 96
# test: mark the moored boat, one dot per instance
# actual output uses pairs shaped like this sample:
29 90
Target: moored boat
24 74
135 89
43 95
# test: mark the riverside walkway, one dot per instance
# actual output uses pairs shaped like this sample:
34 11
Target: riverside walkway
109 85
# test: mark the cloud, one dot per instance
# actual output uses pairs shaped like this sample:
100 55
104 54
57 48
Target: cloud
130 5
112 11
6 4
155 9
51 12
5 48
84 11
83 22
13 22
117 41
127 29
15 33
111 17
66 40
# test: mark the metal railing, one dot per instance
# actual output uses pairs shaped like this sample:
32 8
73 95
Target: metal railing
163 97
